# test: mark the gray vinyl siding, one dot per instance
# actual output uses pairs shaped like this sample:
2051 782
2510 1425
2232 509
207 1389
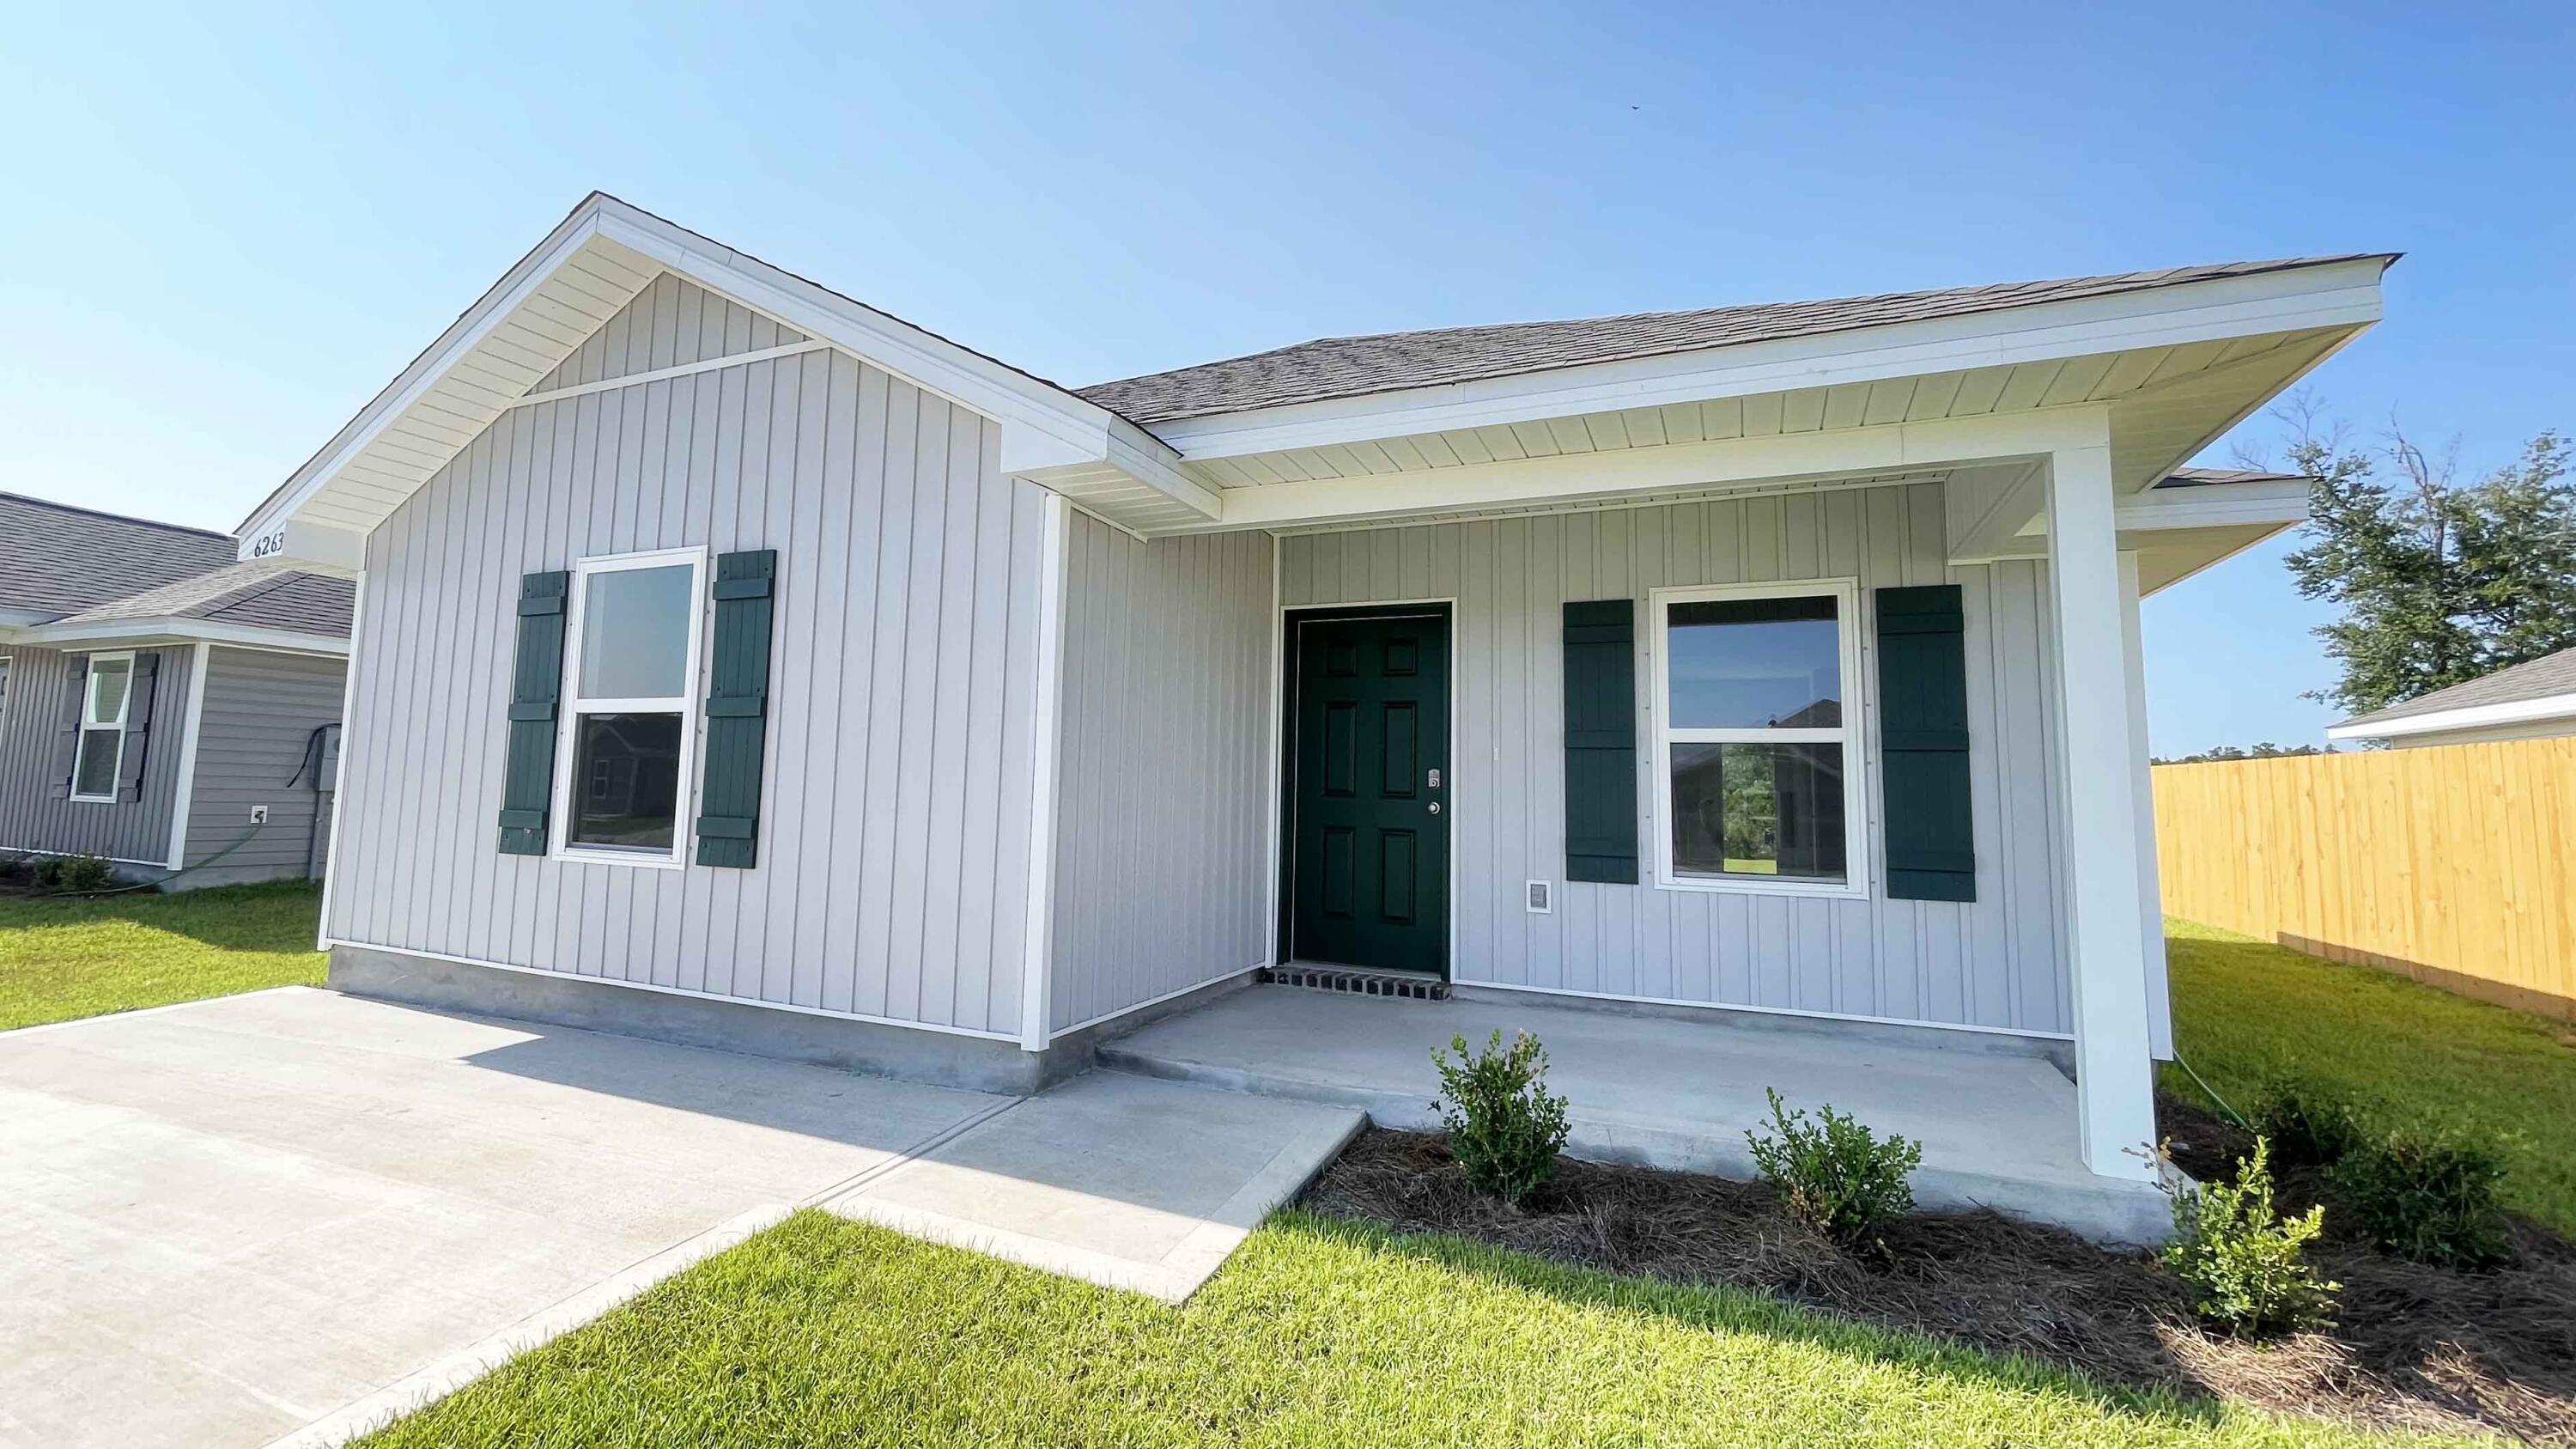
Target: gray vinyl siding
33 816
1998 962
258 715
901 719
1162 817
671 323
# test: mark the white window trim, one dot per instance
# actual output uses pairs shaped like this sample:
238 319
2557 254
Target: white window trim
124 712
1857 855
572 706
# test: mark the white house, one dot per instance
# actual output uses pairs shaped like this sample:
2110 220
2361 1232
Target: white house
2532 700
738 662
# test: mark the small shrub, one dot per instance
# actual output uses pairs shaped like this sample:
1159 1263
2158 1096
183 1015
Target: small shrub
1836 1176
77 873
1504 1127
47 873
2242 1260
2427 1195
2307 1124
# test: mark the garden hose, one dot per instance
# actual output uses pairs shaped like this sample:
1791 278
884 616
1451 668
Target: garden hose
2232 1114
174 875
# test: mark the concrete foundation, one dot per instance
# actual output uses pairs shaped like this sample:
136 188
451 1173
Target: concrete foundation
912 1054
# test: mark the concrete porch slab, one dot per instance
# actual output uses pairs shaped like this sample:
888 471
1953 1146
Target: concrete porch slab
1136 1184
1998 1128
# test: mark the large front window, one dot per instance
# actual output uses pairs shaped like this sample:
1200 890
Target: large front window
101 749
1759 750
630 711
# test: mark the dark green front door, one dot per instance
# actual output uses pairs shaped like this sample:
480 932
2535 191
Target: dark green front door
1369 819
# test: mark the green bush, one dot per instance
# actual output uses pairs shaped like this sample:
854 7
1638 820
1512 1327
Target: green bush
1836 1176
2307 1123
1504 1127
2426 1194
77 873
2241 1259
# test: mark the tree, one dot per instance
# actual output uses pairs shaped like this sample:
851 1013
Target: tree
2436 581
2264 751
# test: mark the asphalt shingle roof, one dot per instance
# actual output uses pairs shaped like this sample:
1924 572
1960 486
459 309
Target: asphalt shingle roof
1339 367
264 595
59 559
90 567
2540 678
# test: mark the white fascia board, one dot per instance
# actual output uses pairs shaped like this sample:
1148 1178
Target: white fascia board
1778 458
2475 716
2338 294
312 547
1050 423
2205 505
153 633
460 338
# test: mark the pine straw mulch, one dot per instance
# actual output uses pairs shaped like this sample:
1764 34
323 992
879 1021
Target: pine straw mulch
2416 1347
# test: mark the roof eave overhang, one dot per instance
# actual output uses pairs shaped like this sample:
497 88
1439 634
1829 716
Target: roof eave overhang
2467 717
2328 294
611 250
172 629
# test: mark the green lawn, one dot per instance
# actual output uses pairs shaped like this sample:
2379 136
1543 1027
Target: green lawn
824 1332
66 958
2245 1010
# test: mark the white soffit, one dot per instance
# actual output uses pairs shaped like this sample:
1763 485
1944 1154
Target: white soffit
590 266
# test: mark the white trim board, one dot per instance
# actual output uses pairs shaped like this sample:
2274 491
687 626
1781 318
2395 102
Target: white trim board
172 629
183 798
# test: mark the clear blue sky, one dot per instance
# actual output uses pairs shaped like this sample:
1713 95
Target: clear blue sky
220 240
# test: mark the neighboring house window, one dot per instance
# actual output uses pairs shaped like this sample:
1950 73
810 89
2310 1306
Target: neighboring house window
102 727
1758 749
631 707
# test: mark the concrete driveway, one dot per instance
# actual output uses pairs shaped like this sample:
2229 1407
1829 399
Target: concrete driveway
221 1221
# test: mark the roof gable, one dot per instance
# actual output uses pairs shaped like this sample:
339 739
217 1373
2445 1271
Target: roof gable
504 348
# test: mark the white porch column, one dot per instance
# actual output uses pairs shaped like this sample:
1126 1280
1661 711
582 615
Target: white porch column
2151 910
2115 1094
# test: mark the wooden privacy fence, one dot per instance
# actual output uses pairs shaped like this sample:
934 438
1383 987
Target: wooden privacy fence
2450 863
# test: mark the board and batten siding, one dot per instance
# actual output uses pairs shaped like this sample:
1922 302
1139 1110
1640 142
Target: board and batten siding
254 729
1164 774
894 829
33 813
1994 963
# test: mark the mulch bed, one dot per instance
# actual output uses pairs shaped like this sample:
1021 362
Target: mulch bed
2416 1347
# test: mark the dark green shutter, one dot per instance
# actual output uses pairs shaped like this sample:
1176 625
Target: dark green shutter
134 753
1923 744
737 710
1601 741
527 782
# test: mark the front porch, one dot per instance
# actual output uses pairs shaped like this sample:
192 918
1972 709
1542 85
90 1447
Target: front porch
1997 1119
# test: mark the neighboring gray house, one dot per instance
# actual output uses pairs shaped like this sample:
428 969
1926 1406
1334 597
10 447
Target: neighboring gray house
155 694
739 662
2532 700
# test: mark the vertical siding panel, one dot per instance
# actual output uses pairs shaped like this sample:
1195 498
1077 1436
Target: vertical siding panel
952 696
855 578
920 684
885 702
988 646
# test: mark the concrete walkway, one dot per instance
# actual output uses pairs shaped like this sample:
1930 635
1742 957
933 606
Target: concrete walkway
295 1213
1997 1125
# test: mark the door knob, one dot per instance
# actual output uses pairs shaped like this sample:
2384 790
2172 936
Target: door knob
1435 807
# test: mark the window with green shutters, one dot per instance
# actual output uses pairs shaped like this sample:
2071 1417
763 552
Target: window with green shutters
536 675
